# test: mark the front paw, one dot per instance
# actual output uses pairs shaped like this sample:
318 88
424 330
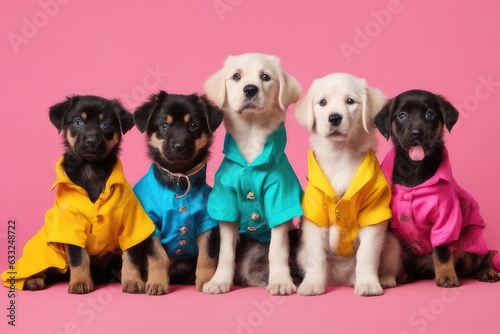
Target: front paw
216 287
156 289
488 275
447 281
281 288
133 286
202 277
368 289
81 287
311 289
34 283
388 281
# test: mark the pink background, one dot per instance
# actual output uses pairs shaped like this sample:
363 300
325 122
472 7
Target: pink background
52 49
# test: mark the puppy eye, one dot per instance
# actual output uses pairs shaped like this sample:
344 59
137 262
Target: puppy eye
193 127
429 115
350 101
265 77
236 76
402 115
78 122
105 124
164 125
322 103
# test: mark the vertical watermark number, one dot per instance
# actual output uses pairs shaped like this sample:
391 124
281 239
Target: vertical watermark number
11 259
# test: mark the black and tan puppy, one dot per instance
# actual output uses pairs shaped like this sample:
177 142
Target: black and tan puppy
438 222
174 193
96 214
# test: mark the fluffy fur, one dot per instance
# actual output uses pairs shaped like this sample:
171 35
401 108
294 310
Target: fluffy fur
418 117
338 111
254 92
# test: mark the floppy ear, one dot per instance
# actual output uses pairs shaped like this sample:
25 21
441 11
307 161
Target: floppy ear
290 90
383 119
373 101
215 86
450 113
142 115
125 118
304 111
213 113
57 113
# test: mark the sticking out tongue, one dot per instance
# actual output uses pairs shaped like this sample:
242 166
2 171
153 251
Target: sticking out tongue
416 153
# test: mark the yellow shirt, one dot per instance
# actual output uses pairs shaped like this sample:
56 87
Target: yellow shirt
115 220
366 201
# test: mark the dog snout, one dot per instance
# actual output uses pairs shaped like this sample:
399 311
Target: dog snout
91 141
417 133
335 119
250 91
179 146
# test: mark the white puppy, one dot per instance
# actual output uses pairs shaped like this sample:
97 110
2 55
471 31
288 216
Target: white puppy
255 187
346 203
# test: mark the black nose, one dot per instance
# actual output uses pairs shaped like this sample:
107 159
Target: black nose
91 142
179 147
416 133
335 119
250 90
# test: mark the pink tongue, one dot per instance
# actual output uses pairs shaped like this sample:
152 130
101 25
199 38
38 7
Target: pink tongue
416 153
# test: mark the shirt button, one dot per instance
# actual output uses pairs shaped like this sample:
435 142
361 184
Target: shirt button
337 213
183 230
99 218
251 196
254 216
183 209
182 242
178 251
404 219
251 229
407 196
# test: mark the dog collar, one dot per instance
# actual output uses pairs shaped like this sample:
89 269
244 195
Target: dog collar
176 178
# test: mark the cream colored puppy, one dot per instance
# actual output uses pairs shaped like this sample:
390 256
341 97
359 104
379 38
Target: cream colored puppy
346 203
256 192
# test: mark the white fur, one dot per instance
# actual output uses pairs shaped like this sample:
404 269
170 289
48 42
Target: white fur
339 150
250 122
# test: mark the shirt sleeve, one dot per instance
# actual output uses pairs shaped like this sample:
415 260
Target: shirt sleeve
314 207
223 200
66 224
447 220
376 207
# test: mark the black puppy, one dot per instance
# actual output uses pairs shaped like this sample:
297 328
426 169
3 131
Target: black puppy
96 214
438 221
179 130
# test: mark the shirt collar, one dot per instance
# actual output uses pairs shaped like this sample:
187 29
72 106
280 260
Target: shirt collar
116 176
274 145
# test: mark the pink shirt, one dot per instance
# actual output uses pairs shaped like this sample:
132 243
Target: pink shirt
436 212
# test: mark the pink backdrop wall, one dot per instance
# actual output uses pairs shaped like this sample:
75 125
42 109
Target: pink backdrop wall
130 49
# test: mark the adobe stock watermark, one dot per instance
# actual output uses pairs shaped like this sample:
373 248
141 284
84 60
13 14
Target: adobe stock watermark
422 319
31 25
150 82
363 36
256 318
223 6
484 89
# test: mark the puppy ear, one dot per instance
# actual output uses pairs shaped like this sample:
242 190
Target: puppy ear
383 119
215 86
304 111
373 101
125 118
143 114
450 113
213 113
57 113
290 90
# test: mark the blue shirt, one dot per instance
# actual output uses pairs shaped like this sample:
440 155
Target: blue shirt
178 220
259 195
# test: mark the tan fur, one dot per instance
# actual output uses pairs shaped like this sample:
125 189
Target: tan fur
156 142
446 276
206 266
201 142
35 282
131 276
80 277
83 116
71 140
114 141
158 279
187 118
169 119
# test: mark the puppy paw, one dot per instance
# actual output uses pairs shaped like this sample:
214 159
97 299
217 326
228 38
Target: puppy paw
488 275
81 287
368 289
282 288
156 289
34 283
447 281
216 287
133 286
203 277
388 281
311 289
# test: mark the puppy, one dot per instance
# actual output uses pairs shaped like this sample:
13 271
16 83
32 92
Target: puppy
96 212
174 193
438 221
346 202
256 191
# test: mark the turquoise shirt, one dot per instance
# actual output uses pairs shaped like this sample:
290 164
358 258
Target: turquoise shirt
178 220
258 196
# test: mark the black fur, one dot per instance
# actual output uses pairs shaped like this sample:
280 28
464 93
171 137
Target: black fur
405 119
